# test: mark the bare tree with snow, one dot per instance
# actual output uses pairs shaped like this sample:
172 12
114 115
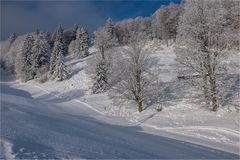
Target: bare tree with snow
134 80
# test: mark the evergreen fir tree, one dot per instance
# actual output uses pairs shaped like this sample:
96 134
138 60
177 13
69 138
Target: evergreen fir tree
61 72
74 31
26 60
81 44
57 68
101 79
84 42
41 52
109 28
60 37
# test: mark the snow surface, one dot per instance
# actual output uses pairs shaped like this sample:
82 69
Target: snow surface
34 127
64 120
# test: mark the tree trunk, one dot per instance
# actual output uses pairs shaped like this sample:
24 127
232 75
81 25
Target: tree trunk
214 93
205 91
140 107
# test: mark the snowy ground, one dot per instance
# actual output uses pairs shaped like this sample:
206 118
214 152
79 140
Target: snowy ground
64 120
32 126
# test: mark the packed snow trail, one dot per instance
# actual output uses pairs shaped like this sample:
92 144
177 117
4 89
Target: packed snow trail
33 128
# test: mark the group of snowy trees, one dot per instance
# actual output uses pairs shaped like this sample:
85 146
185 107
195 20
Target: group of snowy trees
161 25
6 59
37 56
104 40
204 31
165 22
79 46
208 31
126 75
33 56
38 60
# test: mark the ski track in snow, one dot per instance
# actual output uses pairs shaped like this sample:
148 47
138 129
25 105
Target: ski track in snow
56 96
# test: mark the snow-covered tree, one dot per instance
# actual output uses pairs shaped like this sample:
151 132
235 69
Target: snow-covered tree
58 70
41 52
61 71
203 44
59 36
103 42
165 20
84 42
26 60
79 47
74 31
127 28
134 80
101 78
110 28
7 61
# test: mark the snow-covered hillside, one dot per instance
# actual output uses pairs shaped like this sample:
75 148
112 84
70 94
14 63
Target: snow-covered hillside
183 117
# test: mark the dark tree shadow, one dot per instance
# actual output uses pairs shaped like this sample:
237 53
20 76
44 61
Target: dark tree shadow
6 89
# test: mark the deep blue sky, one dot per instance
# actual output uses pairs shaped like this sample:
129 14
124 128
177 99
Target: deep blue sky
25 16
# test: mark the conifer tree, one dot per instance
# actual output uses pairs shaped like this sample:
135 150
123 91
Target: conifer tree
101 79
79 47
109 28
84 42
61 72
74 31
26 60
58 70
41 52
60 37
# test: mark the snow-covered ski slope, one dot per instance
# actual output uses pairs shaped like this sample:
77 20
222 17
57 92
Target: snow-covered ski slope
64 120
34 127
